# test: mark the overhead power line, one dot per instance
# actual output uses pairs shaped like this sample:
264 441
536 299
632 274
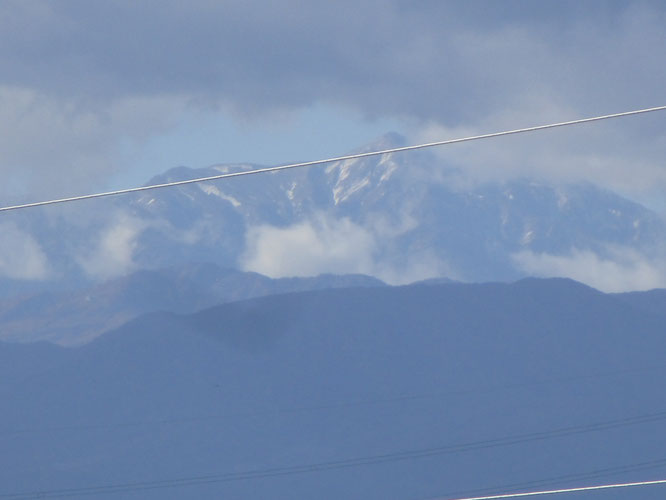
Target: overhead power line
331 160
522 488
567 490
393 457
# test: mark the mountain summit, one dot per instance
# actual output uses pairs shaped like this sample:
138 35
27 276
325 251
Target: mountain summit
399 217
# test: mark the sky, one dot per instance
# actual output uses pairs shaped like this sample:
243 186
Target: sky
97 95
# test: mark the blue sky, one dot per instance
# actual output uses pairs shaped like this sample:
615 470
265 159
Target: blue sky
201 141
97 95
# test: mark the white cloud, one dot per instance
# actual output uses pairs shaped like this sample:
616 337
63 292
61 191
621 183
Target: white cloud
51 146
113 253
384 228
418 266
21 256
623 270
327 245
82 80
321 245
624 156
448 63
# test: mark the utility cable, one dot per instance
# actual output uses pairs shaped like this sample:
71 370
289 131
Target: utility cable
520 487
352 462
331 160
567 490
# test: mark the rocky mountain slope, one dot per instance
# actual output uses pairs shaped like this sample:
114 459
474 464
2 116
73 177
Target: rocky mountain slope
398 217
76 317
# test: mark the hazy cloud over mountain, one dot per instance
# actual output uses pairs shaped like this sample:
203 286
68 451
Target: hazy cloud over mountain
21 256
113 251
309 248
625 269
325 244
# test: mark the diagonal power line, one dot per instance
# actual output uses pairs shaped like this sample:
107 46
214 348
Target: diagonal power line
348 463
334 159
568 490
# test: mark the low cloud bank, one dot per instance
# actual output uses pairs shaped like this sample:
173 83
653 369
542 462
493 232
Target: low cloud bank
113 253
21 256
309 248
621 271
324 244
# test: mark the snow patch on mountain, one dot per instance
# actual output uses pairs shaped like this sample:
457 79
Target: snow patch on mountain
213 190
389 165
528 237
341 193
290 191
400 214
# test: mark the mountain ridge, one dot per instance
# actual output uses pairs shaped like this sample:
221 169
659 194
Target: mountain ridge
333 375
78 316
401 218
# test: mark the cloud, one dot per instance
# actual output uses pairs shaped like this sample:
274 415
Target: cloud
433 60
21 256
418 265
83 79
57 147
321 245
113 252
623 156
324 244
623 270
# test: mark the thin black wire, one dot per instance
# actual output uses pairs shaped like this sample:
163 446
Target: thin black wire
342 464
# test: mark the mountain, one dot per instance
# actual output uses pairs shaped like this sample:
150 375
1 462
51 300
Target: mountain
399 217
76 317
653 301
409 207
422 391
